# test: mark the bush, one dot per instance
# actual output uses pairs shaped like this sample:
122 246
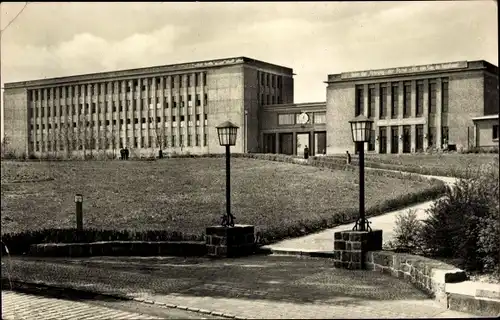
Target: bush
407 233
463 225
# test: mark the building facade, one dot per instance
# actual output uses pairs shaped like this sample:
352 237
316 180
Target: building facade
414 108
289 128
174 107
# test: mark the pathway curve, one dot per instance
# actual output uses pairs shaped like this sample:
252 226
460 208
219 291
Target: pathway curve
323 240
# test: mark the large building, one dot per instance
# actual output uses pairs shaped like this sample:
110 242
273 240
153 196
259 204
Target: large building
173 107
415 108
177 107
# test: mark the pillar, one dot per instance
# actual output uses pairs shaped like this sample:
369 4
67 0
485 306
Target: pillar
350 248
426 114
439 109
228 242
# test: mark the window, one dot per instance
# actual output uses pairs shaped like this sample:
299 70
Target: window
121 121
189 80
189 140
128 121
407 100
320 117
432 97
394 101
420 99
371 102
196 80
107 122
136 120
198 101
444 95
371 143
205 138
197 140
359 101
495 131
204 77
286 119
158 119
206 120
205 97
181 78
383 102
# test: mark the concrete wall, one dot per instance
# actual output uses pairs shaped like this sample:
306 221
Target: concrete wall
491 94
484 133
466 94
225 88
251 97
340 100
16 120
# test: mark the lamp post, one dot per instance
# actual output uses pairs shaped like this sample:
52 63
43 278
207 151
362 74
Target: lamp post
79 215
361 128
227 137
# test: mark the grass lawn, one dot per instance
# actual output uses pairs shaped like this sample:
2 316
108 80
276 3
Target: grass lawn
184 195
446 164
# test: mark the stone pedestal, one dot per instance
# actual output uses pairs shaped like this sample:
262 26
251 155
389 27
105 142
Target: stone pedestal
350 247
228 242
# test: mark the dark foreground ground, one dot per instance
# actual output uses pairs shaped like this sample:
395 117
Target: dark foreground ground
253 287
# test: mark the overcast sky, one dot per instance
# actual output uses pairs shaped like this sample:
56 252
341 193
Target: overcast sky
315 39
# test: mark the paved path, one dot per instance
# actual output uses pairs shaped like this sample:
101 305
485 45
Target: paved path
23 306
250 287
323 241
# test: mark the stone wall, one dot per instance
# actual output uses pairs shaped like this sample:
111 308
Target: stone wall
427 274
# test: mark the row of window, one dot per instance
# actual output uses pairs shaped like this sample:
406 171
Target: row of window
114 142
270 80
129 121
117 87
267 99
383 94
292 118
406 138
116 106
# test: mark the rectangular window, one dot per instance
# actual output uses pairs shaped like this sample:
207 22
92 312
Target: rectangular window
286 119
407 100
495 131
205 97
444 95
320 117
371 102
394 101
205 140
189 140
420 99
359 102
383 102
204 78
197 140
173 141
432 97
206 120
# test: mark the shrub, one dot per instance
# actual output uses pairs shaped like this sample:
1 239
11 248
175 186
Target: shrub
407 233
462 224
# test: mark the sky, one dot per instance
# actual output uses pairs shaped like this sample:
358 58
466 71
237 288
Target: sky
53 39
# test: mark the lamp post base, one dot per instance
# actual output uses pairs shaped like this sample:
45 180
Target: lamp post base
350 248
230 241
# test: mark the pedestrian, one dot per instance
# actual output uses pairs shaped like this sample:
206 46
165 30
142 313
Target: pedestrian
348 157
306 152
160 154
122 154
126 154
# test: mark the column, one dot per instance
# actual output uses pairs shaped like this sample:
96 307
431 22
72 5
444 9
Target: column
365 100
389 100
147 98
33 113
202 108
184 92
376 116
45 104
58 107
170 111
389 139
161 99
426 114
413 138
439 109
400 99
413 104
137 94
400 139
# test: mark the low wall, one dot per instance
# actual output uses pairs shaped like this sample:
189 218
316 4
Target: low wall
120 248
427 274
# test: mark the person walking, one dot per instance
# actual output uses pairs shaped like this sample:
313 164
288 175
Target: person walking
348 157
306 152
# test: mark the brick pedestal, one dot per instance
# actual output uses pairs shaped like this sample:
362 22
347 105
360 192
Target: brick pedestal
350 247
230 241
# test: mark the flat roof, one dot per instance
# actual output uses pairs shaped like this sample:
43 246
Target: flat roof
185 66
414 70
295 105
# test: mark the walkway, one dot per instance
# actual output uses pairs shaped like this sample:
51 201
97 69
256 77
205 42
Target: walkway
323 241
251 287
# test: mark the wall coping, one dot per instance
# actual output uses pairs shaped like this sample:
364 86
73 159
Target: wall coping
425 273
